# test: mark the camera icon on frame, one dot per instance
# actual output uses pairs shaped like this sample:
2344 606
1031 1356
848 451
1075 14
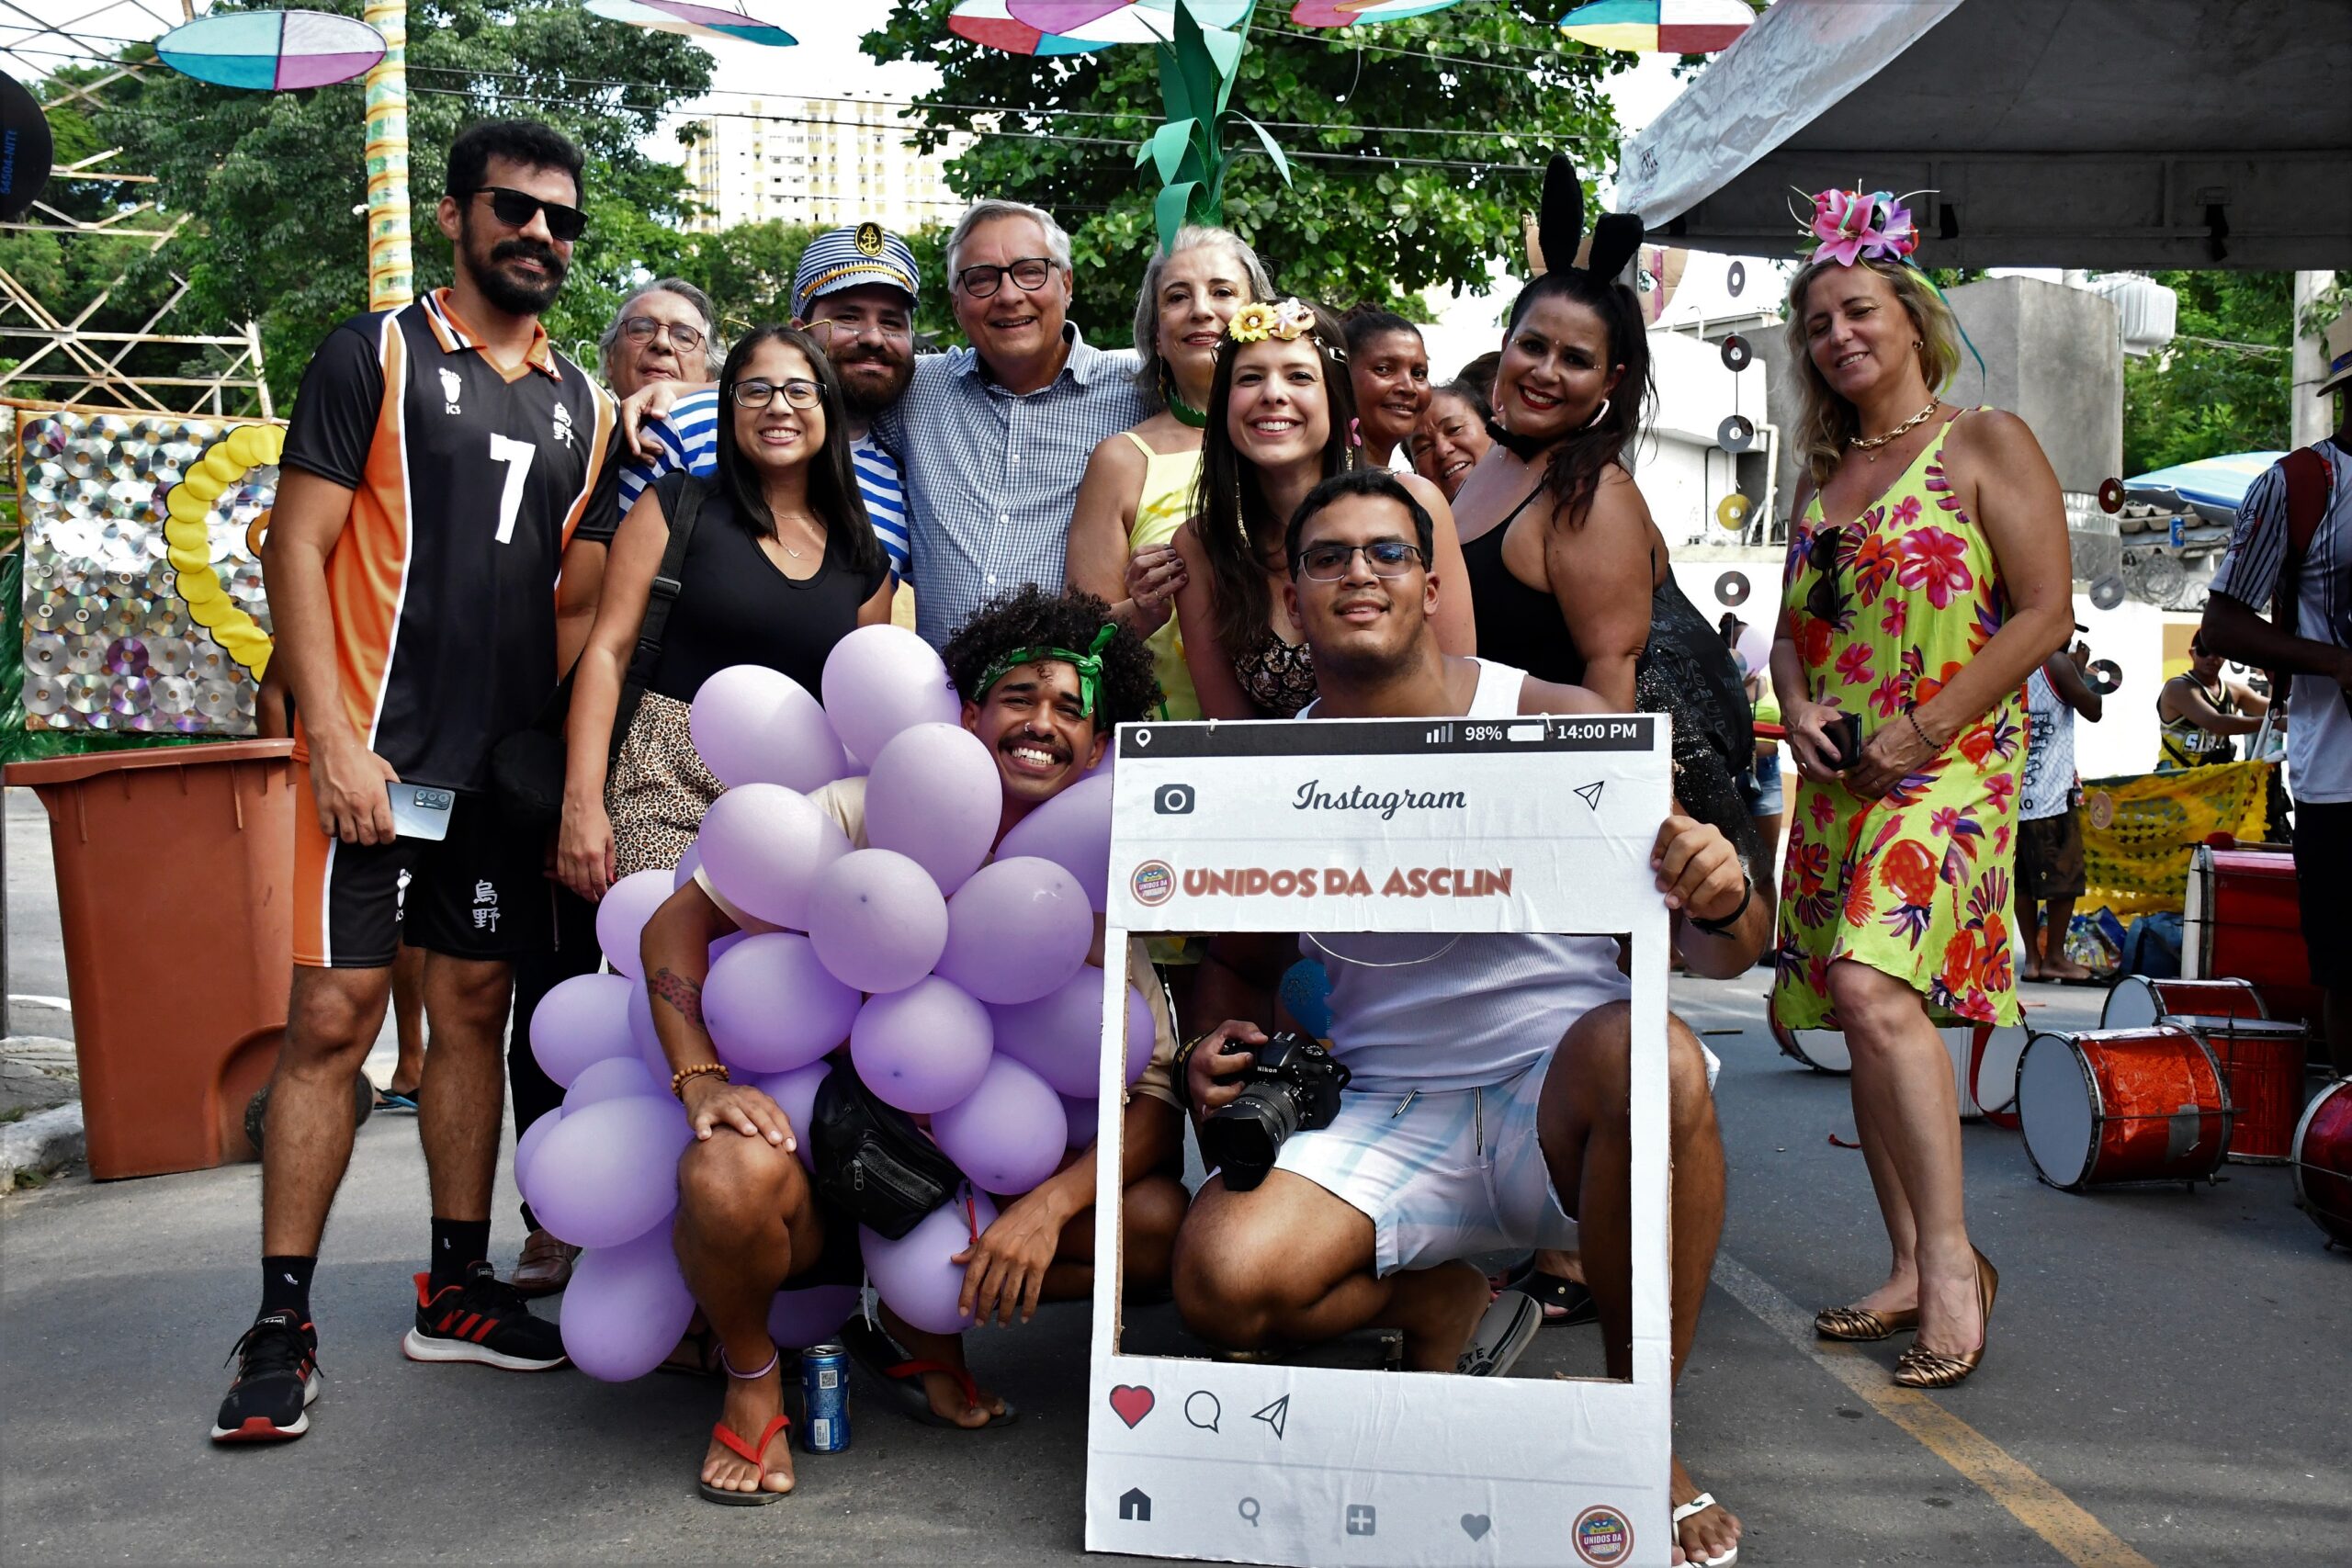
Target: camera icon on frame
1173 799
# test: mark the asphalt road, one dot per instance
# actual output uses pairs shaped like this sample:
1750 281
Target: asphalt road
2165 1383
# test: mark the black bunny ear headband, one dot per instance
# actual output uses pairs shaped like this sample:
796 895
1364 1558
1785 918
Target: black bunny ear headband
1559 227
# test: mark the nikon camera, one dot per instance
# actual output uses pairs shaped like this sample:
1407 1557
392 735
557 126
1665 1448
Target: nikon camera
1294 1084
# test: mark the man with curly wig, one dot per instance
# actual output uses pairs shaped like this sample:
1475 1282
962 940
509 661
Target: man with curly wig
1043 677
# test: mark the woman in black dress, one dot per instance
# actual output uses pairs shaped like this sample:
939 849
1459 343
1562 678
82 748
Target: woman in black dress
782 565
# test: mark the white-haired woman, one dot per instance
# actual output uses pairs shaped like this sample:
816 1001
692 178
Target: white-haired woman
1138 486
1927 577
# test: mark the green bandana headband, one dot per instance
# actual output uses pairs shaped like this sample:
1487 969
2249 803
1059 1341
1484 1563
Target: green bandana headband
1089 666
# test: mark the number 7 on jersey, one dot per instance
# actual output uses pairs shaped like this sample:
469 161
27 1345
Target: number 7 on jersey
516 455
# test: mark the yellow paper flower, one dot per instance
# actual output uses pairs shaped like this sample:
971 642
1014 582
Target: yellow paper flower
1251 324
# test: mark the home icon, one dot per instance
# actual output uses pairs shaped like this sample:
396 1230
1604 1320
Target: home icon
1133 1504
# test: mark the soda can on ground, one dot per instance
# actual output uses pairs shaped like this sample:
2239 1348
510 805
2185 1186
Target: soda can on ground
824 1385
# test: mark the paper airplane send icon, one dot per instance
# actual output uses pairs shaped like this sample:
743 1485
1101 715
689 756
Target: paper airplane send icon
1591 793
1274 1415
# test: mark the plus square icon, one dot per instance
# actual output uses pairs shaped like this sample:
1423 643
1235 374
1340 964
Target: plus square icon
1363 1519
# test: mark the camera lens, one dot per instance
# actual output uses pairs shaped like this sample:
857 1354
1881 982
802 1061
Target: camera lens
1242 1139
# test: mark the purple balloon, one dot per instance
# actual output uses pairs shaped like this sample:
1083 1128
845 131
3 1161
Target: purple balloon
1073 831
811 1315
626 1308
688 863
914 1275
1008 1133
609 1172
877 921
754 725
581 1020
727 943
922 1049
1085 1117
762 847
528 1145
772 1006
1058 1035
881 680
617 1079
795 1094
936 798
621 915
1016 931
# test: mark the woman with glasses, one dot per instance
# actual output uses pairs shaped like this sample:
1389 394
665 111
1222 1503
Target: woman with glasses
1927 577
1138 486
1282 419
782 564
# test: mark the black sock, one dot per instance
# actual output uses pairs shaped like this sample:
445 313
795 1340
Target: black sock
285 1285
457 1244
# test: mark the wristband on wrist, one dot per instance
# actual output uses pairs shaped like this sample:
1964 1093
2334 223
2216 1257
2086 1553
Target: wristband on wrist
1723 926
1920 729
678 1080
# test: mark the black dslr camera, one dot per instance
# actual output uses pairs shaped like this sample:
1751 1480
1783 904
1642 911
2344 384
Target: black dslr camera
1294 1084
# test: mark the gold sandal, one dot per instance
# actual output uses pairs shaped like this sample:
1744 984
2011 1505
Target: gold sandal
1920 1368
1861 1325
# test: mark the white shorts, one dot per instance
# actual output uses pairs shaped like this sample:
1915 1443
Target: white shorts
1445 1175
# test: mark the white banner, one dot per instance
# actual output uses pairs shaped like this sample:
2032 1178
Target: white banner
1537 825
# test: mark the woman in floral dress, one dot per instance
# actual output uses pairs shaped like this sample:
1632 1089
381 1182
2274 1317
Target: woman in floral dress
1927 577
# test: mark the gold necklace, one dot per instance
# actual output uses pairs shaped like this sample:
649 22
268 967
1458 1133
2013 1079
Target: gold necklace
1871 444
811 522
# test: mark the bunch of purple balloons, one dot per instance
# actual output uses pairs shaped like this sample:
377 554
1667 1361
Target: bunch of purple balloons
958 981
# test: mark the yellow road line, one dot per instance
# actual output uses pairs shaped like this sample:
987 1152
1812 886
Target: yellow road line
2049 1513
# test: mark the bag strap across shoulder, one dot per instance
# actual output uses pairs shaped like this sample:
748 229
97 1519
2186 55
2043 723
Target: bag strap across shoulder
658 602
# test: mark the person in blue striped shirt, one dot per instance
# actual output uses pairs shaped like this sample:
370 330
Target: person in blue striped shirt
855 288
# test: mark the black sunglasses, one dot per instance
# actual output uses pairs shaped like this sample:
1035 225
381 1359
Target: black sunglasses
515 209
1826 602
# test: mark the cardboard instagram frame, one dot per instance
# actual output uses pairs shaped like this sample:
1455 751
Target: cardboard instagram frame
1440 826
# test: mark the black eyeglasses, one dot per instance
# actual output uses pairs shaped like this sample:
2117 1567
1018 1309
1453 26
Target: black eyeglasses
1329 563
797 393
515 209
1826 602
645 329
1030 272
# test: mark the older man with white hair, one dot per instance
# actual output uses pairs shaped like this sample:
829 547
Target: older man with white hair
994 438
665 332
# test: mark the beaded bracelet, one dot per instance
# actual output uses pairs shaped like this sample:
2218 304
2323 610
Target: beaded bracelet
678 1080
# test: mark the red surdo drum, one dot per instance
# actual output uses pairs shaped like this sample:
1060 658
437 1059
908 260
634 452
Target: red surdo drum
2137 1001
2324 1161
2111 1106
2244 918
2262 1057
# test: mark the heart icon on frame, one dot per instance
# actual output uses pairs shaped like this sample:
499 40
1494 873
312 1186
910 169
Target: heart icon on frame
1476 1526
1132 1403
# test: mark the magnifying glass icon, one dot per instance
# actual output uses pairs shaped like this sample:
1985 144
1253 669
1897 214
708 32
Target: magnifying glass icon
1249 1511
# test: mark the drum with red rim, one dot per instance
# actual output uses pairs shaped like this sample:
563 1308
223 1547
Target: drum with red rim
1984 1059
2119 1105
2324 1161
2137 1001
2261 1056
2243 917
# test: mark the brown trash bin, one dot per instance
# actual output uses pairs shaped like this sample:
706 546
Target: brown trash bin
175 872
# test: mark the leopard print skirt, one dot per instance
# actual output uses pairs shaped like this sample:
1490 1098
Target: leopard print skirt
658 789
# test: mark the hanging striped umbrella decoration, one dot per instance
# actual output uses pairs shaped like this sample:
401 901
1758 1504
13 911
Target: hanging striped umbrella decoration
989 24
688 20
273 52
1659 26
1353 13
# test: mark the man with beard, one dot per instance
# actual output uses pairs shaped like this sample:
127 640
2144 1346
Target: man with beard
440 459
855 289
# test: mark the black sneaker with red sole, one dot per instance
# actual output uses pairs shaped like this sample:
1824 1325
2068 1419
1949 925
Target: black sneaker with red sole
278 1377
484 1320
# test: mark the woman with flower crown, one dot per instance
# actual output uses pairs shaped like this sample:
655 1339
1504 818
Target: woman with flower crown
1282 419
1139 484
1927 577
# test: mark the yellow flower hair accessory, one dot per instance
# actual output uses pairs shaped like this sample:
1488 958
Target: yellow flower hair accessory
1254 322
1286 322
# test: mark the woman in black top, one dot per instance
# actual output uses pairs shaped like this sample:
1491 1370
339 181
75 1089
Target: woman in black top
782 564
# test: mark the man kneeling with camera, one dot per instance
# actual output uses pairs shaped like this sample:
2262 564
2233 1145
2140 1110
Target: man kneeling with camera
1476 1094
1043 678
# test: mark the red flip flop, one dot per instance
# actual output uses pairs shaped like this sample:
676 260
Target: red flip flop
752 1454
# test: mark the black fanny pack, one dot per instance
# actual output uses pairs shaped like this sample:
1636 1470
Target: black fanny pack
872 1163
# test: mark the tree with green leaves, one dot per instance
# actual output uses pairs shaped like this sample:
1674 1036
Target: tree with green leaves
2223 385
1415 146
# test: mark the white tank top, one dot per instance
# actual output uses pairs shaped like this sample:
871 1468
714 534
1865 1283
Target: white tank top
1431 1011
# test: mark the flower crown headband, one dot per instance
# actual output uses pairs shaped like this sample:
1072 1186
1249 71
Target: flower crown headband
1286 323
1854 226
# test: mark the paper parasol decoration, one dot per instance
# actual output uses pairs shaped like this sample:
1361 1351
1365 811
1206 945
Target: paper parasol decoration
989 24
1659 26
693 21
1352 13
276 51
1080 26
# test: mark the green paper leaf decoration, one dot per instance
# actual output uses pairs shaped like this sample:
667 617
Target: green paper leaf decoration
1169 144
1171 206
1273 150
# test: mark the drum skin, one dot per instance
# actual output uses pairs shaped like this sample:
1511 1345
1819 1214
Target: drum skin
2136 1001
2324 1161
2105 1106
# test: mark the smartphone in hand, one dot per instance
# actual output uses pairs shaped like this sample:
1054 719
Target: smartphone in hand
419 811
1845 736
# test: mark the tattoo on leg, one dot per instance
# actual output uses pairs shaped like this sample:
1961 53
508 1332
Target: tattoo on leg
680 993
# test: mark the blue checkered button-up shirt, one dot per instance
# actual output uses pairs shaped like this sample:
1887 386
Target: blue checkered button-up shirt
992 477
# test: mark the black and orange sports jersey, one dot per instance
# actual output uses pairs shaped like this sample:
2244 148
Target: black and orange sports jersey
467 482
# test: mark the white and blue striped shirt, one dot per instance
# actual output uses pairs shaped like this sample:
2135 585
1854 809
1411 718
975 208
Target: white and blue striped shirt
991 478
688 441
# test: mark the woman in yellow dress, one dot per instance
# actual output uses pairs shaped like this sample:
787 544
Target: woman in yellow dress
1927 577
1138 485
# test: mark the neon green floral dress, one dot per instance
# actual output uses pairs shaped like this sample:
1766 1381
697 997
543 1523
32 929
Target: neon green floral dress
1885 612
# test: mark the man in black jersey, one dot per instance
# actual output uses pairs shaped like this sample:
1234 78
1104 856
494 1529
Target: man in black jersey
439 459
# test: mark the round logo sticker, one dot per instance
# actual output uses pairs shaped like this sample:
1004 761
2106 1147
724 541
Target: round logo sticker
1602 1537
1154 883
869 238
